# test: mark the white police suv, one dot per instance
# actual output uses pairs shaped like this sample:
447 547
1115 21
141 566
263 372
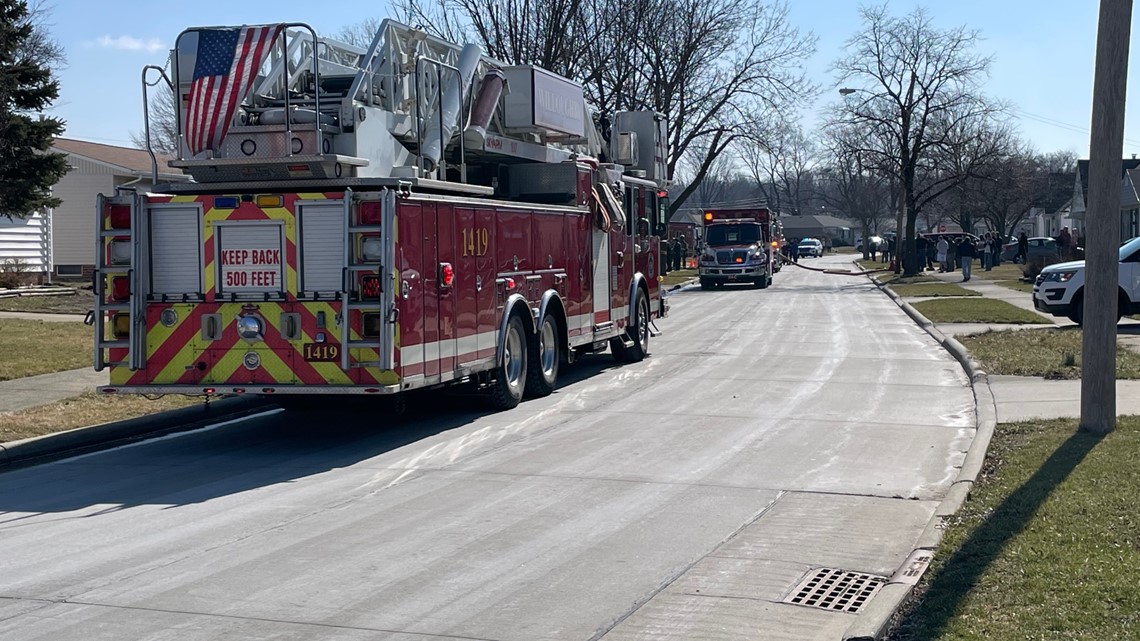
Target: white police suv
1059 289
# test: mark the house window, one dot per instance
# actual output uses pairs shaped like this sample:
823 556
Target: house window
69 270
1133 223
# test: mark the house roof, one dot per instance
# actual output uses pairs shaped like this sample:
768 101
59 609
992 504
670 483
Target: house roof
686 217
130 161
813 221
1083 171
1128 187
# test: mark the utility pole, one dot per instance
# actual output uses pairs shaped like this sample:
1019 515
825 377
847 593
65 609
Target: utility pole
1102 218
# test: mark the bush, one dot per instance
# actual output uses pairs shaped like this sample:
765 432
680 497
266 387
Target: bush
12 273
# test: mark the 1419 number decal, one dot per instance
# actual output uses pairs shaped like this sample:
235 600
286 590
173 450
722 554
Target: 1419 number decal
476 241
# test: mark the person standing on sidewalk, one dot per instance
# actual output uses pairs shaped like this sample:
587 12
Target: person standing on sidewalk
967 252
941 252
1022 248
988 252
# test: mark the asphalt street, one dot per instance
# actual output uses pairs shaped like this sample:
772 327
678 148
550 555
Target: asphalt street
771 432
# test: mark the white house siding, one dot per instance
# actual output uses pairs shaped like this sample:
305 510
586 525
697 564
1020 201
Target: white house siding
73 222
25 240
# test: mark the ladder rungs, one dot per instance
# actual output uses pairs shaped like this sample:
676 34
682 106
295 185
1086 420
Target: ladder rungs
364 345
112 344
363 268
364 228
109 233
112 307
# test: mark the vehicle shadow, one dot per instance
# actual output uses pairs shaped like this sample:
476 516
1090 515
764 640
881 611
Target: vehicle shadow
258 452
929 615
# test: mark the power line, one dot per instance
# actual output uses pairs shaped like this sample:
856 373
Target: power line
1045 120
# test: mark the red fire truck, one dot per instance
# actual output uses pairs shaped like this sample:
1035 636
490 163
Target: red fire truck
741 245
375 220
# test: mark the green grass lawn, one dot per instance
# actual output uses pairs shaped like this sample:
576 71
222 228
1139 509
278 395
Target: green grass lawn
1047 547
932 289
82 411
30 347
678 277
1016 284
976 310
891 277
1051 353
1005 271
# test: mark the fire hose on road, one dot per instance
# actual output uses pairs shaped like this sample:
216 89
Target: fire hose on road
841 272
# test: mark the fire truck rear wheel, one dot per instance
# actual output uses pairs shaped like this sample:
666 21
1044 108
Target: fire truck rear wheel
510 375
544 358
638 332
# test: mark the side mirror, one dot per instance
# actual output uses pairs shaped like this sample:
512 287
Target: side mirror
642 226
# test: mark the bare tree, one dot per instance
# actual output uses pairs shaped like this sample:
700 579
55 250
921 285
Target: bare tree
41 47
917 89
163 122
360 34
780 158
705 64
851 183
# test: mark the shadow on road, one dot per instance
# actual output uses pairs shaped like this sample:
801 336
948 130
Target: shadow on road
929 616
259 452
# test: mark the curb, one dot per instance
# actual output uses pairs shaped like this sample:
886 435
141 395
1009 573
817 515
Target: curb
875 619
42 449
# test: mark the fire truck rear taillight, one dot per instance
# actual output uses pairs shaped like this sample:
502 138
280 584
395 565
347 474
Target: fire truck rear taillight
121 251
370 327
370 213
120 216
120 325
120 288
446 274
370 287
775 244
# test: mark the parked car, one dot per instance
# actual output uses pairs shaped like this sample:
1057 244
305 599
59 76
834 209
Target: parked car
810 247
1060 288
1042 246
952 237
876 241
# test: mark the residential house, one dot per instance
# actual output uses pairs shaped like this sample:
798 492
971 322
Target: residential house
61 241
1075 220
687 223
819 226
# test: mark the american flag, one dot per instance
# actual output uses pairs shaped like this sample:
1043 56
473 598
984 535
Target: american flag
227 62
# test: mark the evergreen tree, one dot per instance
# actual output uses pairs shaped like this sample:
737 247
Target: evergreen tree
28 168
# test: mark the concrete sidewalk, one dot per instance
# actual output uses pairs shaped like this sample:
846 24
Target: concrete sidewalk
51 318
1021 398
23 393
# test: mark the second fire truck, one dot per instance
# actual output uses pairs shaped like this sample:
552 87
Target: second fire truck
369 221
741 245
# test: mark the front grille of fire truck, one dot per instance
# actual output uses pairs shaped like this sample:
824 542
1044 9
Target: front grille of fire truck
729 257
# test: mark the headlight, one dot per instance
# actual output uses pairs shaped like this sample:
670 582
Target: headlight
758 257
1060 277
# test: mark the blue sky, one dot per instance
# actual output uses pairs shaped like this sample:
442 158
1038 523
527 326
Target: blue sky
1043 50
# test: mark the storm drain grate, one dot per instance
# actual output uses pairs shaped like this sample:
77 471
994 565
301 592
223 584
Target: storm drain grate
836 590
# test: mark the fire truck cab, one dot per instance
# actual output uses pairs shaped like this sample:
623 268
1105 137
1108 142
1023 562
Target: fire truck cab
740 246
369 221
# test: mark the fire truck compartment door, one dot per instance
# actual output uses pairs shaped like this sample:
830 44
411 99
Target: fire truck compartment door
322 247
601 258
176 250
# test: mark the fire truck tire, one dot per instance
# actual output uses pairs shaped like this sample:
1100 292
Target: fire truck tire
544 359
510 375
763 282
638 331
706 284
